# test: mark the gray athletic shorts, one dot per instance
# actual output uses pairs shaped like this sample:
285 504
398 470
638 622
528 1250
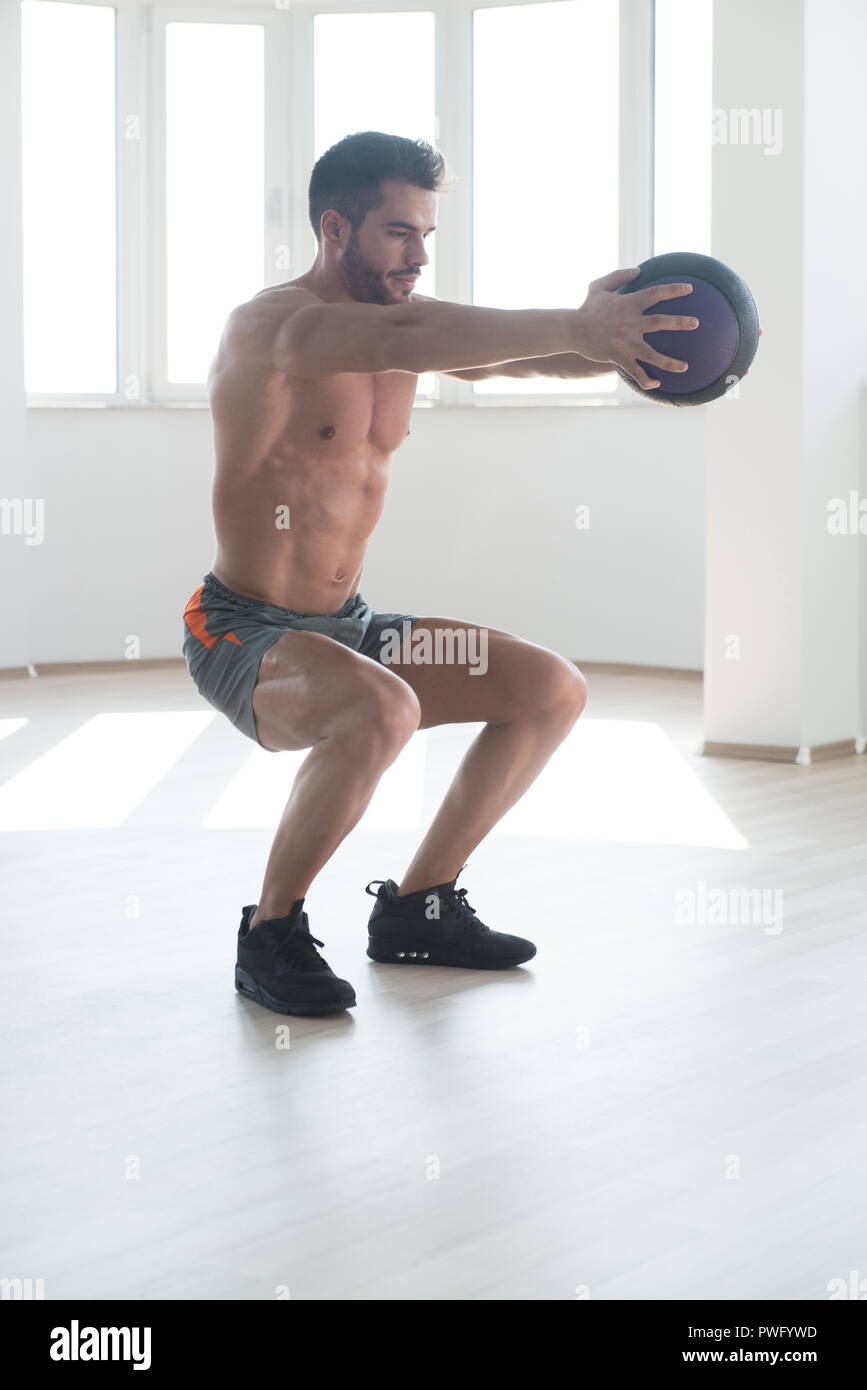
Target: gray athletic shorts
227 634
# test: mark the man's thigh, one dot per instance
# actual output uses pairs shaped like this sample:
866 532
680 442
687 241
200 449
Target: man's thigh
490 675
310 685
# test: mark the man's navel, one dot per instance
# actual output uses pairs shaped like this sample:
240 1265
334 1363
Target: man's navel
327 432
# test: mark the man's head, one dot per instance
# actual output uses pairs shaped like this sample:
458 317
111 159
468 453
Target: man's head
372 203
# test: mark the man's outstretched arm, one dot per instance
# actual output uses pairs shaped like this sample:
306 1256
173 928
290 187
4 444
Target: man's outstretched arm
559 364
323 339
566 365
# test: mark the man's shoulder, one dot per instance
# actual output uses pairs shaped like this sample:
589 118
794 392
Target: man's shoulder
274 299
247 343
257 320
290 288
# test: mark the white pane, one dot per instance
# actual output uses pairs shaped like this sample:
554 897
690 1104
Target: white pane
215 184
545 170
376 72
68 160
682 136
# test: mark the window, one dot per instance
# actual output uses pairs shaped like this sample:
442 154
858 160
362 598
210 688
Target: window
216 169
683 32
377 72
167 150
545 163
215 185
69 198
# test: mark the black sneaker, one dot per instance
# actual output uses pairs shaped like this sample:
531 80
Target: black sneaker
402 932
279 966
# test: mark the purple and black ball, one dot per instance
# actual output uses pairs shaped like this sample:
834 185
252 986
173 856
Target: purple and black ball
720 350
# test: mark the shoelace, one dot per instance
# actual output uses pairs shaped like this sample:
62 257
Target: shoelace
297 947
456 899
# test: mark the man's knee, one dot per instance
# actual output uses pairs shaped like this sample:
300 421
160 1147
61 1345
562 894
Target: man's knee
560 690
383 716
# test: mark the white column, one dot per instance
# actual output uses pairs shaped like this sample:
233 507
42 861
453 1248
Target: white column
789 212
17 560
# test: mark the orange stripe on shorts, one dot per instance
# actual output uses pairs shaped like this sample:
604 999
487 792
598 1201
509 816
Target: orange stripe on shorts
195 618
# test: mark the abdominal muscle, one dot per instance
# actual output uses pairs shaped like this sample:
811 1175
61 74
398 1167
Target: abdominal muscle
296 535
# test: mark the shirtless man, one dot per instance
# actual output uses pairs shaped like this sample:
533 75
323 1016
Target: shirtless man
311 393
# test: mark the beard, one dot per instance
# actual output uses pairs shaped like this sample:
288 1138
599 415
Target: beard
363 281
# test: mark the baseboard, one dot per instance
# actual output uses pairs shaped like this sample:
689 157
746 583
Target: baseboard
78 668
74 668
766 752
617 668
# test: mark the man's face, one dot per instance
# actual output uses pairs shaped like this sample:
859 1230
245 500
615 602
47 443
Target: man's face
381 252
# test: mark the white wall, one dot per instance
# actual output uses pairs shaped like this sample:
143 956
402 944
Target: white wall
481 525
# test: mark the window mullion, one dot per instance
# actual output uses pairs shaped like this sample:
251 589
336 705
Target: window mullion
454 104
635 131
279 256
131 127
155 327
636 141
301 148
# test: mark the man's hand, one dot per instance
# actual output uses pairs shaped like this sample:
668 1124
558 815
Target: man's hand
610 327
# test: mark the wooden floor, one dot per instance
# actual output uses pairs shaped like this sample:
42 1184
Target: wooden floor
653 1108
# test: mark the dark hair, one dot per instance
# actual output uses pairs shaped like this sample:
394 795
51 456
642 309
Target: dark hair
347 177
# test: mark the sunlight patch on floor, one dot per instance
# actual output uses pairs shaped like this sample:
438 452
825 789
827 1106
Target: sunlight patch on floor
11 726
255 796
96 776
612 780
624 780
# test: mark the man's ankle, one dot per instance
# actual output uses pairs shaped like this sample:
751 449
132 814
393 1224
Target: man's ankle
411 887
270 912
402 891
414 885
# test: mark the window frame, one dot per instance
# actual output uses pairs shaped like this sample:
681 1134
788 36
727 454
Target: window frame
289 134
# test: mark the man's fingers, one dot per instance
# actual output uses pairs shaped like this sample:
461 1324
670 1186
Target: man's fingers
658 322
615 279
637 372
656 359
653 359
656 293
